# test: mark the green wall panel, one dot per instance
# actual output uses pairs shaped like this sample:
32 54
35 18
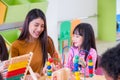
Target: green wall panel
107 20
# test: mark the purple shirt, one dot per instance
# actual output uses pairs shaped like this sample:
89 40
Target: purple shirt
74 51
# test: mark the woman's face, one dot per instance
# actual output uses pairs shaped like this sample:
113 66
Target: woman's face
77 40
36 27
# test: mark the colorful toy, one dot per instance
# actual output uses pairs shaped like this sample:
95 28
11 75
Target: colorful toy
18 67
76 67
49 67
90 66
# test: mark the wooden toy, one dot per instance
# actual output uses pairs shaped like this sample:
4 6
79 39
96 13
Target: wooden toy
61 74
18 67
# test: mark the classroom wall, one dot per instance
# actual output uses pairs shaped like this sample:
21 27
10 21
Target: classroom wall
60 10
118 6
78 9
51 16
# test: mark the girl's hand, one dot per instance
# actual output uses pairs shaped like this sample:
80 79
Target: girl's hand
82 62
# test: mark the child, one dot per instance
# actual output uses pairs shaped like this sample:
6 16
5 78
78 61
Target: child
3 50
83 45
110 63
3 56
1 77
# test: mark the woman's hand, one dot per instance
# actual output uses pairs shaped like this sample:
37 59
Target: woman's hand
29 77
44 70
58 66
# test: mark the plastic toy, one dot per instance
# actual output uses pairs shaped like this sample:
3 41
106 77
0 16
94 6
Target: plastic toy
76 67
49 67
90 66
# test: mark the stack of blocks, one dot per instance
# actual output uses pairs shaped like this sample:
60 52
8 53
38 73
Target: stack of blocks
49 67
90 66
76 68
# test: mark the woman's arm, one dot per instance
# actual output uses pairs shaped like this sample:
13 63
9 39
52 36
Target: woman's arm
52 51
14 51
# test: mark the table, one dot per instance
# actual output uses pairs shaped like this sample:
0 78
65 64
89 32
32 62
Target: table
65 74
95 77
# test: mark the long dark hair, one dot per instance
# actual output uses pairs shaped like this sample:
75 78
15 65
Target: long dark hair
1 77
3 50
86 30
34 14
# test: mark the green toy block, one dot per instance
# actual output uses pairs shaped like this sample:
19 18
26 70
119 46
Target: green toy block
16 10
18 77
2 12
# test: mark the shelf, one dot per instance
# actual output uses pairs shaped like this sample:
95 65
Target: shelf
7 26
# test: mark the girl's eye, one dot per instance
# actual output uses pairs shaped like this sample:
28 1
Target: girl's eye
77 36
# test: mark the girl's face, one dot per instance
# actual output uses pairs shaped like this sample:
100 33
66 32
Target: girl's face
36 27
77 40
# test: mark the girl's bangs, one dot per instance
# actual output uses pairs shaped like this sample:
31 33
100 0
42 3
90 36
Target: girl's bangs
78 32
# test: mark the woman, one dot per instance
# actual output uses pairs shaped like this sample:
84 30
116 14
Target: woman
34 38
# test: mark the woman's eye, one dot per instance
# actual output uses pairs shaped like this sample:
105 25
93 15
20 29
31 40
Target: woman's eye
36 25
42 26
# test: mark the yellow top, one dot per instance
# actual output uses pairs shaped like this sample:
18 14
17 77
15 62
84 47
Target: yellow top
21 47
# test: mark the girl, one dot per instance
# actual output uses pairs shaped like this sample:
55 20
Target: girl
3 56
83 45
3 50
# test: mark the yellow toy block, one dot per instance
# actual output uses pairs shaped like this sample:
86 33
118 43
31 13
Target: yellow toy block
17 65
2 12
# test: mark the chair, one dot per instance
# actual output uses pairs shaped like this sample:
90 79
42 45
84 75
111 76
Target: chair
74 23
64 33
10 35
